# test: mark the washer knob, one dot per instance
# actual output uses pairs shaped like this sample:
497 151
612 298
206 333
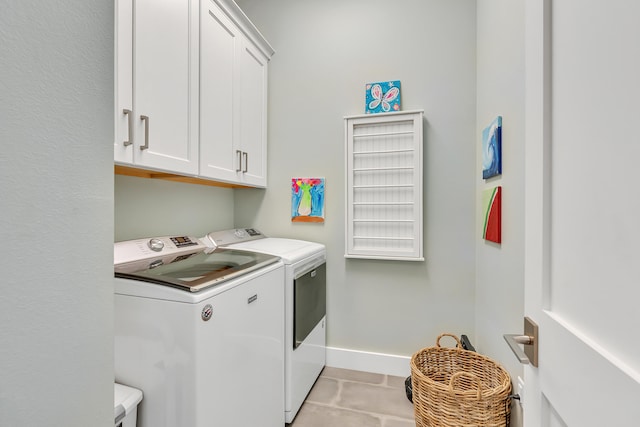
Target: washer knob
155 244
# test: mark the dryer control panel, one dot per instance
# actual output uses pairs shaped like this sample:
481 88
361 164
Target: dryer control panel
229 237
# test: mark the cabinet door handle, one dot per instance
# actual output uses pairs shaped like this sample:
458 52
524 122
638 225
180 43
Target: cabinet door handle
239 153
246 161
145 119
129 115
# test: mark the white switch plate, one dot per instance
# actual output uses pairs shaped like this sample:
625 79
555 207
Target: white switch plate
520 390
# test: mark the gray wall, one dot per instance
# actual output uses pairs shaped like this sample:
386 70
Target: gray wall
500 268
56 216
325 54
154 207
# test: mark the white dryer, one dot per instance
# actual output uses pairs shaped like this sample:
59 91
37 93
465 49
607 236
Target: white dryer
305 305
200 332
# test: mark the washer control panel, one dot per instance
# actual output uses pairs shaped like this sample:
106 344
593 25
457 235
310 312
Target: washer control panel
144 249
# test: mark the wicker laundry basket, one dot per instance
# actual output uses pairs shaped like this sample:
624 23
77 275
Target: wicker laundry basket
453 387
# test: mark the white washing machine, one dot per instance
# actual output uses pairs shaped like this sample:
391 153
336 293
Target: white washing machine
305 304
200 332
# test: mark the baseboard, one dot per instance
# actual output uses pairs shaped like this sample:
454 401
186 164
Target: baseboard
379 363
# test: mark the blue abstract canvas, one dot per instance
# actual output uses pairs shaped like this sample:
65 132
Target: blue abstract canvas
492 149
382 97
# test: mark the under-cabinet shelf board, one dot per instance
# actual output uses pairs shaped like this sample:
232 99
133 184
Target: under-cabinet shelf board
144 173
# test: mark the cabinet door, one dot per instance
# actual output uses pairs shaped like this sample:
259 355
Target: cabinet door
123 103
218 127
253 114
165 85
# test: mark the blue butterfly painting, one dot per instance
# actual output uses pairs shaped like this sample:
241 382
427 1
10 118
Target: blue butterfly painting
382 97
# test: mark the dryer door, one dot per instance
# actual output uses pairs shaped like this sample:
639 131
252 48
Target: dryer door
309 302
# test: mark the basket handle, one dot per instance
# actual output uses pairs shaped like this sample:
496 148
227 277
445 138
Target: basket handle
469 375
458 343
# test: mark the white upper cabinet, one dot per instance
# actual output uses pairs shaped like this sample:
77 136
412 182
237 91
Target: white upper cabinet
157 85
233 96
191 90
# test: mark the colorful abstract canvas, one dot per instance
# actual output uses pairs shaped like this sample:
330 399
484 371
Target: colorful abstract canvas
492 149
382 97
492 208
307 199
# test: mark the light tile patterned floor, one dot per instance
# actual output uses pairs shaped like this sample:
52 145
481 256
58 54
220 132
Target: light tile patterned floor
346 398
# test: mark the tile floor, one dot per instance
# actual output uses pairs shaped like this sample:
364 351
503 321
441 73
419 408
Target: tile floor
345 398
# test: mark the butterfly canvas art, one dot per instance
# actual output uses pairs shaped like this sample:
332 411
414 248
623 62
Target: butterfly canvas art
382 97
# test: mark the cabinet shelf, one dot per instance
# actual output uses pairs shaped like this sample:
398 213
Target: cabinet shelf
386 238
384 186
381 134
382 203
392 168
355 187
383 220
406 150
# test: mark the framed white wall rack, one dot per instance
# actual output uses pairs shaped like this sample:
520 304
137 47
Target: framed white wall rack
384 186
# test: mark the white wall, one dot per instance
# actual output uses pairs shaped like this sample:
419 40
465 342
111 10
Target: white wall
56 214
325 54
154 207
500 267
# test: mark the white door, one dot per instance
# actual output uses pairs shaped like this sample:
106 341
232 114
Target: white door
582 183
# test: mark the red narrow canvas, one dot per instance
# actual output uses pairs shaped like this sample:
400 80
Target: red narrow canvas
493 219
